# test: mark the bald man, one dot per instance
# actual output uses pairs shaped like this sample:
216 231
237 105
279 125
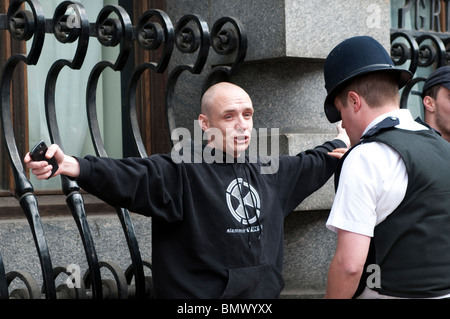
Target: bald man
217 227
227 107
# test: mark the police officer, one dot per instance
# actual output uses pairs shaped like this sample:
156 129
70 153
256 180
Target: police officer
392 203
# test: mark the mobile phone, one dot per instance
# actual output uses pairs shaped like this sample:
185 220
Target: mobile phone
37 154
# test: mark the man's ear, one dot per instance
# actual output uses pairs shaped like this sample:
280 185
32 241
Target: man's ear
354 100
203 122
429 104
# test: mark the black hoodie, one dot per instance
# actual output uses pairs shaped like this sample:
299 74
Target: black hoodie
217 227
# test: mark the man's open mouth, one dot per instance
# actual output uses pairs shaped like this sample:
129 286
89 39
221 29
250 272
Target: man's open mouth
241 139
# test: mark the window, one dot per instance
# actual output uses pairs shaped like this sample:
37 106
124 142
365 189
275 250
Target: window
70 96
28 101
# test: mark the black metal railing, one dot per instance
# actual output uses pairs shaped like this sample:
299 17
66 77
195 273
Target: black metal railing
420 41
113 27
418 49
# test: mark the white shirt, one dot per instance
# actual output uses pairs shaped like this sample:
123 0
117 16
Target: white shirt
372 183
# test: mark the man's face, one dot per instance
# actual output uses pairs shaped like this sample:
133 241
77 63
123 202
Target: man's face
443 111
232 116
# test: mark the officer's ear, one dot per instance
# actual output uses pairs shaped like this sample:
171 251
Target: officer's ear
354 100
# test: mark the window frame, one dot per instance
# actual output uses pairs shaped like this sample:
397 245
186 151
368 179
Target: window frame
154 131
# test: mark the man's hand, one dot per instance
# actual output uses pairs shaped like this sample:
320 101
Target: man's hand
67 165
338 152
342 134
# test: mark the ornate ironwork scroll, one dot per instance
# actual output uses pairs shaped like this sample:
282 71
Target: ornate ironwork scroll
151 35
424 47
23 25
192 35
112 32
227 41
113 27
64 34
425 50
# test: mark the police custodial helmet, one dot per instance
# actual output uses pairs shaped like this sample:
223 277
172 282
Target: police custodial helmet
353 57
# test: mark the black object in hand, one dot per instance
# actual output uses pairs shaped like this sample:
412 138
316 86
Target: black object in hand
37 154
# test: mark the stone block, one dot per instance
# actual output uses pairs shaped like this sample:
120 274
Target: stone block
65 244
308 249
294 28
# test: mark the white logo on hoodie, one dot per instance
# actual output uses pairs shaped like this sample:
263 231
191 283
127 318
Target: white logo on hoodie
243 202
